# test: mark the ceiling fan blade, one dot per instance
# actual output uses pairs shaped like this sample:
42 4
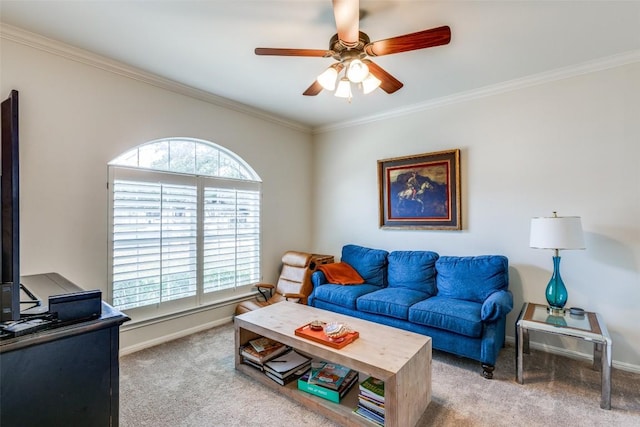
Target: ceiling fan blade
420 40
347 14
292 52
389 83
313 90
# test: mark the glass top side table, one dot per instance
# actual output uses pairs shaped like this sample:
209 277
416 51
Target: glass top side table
587 327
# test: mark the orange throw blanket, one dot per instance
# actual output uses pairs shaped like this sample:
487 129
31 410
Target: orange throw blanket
341 273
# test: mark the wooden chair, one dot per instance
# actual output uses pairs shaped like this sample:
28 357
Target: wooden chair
294 283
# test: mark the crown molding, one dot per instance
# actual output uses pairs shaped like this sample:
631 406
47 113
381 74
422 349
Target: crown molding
605 63
57 48
54 47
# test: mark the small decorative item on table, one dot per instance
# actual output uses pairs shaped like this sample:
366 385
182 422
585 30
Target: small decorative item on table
336 331
333 334
316 325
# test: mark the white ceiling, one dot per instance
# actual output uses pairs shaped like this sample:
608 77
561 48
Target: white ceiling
209 45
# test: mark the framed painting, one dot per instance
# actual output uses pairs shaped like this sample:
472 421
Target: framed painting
421 191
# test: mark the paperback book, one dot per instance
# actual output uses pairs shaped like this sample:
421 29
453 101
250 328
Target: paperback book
371 404
373 388
364 413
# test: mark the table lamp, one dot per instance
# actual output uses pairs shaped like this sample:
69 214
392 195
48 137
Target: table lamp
557 233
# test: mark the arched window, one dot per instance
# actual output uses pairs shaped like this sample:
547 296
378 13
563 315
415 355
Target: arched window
185 226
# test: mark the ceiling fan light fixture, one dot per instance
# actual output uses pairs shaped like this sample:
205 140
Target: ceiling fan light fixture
351 48
328 78
370 84
357 71
344 89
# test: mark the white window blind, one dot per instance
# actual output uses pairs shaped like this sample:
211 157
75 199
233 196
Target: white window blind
231 238
154 234
182 237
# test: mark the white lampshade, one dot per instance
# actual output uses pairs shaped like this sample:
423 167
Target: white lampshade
344 89
357 71
370 84
328 78
556 233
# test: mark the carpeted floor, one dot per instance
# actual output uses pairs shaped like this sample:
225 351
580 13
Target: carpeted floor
192 382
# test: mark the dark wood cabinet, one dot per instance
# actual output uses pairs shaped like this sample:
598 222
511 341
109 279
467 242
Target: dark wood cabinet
62 376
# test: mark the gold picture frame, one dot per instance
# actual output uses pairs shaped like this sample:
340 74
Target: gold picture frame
421 191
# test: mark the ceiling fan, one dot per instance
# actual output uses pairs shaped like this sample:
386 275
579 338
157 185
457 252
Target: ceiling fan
352 49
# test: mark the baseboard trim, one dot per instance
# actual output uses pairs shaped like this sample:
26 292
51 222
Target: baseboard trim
170 337
575 355
182 333
136 322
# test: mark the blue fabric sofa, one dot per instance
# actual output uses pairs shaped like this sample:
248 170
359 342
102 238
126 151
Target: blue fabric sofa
460 302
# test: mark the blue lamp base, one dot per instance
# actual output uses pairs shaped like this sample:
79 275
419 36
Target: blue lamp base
556 292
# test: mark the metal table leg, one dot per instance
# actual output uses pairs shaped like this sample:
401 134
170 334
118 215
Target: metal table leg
597 356
520 337
605 399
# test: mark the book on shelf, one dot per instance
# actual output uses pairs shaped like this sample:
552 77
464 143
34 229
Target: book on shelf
289 378
286 364
327 393
331 375
371 404
371 400
256 365
268 350
263 343
368 415
373 388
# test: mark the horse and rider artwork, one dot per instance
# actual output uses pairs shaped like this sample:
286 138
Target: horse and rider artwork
420 191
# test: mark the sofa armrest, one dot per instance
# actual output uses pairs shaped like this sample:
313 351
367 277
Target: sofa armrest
318 278
497 305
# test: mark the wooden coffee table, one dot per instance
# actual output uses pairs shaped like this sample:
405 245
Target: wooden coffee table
400 358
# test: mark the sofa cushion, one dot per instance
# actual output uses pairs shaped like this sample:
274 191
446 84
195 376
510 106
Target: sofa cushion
413 270
394 302
459 316
369 263
344 296
471 278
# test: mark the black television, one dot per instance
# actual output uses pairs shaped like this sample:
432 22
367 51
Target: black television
10 218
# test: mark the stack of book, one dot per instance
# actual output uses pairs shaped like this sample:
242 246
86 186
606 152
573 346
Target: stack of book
371 400
260 350
287 367
328 380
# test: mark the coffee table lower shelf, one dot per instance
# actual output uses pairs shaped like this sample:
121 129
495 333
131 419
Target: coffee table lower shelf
341 413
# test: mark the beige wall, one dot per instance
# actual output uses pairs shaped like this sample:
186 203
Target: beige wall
570 146
75 118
